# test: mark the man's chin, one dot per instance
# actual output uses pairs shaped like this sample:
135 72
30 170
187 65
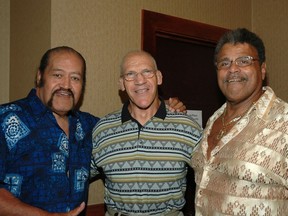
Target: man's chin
61 105
62 110
144 106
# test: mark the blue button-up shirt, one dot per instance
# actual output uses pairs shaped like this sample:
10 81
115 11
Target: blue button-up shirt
39 164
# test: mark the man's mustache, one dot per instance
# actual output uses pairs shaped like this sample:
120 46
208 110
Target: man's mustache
63 90
59 91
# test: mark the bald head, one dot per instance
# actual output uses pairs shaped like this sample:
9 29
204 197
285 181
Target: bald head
136 53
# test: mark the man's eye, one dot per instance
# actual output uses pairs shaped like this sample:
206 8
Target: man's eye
146 72
244 61
57 75
75 78
129 74
224 63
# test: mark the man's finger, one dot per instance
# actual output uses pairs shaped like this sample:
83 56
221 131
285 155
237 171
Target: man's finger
77 210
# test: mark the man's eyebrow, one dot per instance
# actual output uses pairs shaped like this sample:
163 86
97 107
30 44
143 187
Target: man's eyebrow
223 59
57 69
62 70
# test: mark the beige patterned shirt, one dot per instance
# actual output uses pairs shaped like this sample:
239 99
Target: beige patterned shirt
247 173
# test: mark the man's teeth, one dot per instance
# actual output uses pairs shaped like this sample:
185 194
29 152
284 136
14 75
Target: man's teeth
141 90
64 93
235 80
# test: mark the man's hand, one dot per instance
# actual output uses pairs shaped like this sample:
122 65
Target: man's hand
174 104
77 210
73 212
12 206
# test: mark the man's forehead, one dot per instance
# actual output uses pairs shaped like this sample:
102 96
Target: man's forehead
238 49
65 57
138 60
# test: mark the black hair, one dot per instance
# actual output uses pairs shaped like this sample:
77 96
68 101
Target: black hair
242 35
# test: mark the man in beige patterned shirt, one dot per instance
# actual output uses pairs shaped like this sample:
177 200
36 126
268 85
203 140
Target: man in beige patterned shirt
241 165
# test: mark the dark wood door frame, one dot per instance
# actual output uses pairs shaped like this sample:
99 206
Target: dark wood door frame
154 24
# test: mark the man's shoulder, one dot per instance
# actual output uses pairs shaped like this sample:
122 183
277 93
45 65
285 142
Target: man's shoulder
29 105
87 115
15 107
110 117
87 119
281 107
108 121
182 118
281 102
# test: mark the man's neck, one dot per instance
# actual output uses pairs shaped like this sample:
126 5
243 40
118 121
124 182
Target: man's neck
63 122
144 115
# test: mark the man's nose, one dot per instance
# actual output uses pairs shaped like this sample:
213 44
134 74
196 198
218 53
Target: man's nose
66 82
233 67
139 78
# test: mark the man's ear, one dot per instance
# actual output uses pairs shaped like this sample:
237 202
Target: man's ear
159 77
38 78
121 84
263 70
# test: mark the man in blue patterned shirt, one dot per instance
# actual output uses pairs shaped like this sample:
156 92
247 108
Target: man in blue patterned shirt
45 141
144 149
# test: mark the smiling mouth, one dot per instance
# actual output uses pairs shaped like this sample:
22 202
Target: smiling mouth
235 80
140 91
62 92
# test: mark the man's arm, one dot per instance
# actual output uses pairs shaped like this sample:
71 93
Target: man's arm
11 206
